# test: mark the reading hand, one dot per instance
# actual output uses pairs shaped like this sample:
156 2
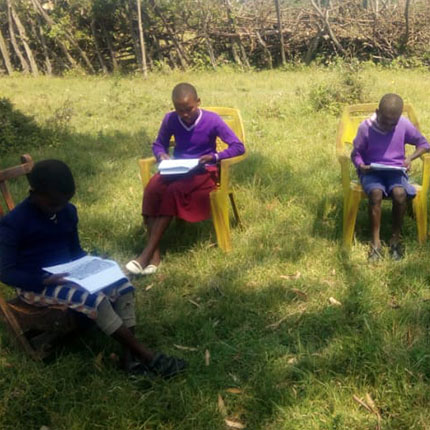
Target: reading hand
57 279
206 159
364 168
407 163
164 157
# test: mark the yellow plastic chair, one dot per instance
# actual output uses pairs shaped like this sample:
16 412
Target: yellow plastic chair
222 194
351 118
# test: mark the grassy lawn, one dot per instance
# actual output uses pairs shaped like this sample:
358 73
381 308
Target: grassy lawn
282 357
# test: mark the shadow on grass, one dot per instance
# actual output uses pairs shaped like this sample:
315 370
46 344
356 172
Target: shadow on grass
264 339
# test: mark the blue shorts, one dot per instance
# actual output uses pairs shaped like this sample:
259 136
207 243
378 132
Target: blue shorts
386 180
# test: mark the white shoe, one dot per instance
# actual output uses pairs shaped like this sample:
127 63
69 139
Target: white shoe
135 268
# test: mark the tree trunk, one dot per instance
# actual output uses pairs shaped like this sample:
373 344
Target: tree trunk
406 36
133 34
281 36
67 34
96 46
313 46
265 49
49 21
181 54
209 47
112 52
36 29
24 39
5 54
236 42
24 64
326 24
141 39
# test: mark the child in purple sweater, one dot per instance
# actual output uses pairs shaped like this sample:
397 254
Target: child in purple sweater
381 139
195 131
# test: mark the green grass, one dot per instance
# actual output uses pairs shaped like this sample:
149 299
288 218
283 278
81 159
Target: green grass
297 360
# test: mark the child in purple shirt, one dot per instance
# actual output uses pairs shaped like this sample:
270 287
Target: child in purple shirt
381 139
187 197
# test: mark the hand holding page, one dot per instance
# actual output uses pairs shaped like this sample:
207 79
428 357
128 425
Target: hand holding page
177 167
91 273
379 166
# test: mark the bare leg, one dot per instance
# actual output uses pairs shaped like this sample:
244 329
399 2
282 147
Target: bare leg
126 338
156 228
156 255
399 208
375 202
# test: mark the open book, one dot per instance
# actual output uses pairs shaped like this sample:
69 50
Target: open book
91 273
379 166
177 167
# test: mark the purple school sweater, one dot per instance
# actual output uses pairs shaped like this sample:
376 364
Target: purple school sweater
374 146
198 139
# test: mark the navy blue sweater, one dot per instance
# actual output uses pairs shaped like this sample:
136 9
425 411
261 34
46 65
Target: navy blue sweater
30 240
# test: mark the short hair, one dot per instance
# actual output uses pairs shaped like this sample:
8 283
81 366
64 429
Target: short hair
52 176
391 103
184 90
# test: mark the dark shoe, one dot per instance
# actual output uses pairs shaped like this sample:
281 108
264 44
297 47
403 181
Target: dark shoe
397 251
165 366
375 254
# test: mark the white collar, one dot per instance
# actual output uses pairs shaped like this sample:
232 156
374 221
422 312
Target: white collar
188 128
373 122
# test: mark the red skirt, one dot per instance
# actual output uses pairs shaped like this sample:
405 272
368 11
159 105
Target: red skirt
186 197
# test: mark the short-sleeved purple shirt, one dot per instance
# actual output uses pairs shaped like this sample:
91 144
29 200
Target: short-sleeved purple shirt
373 146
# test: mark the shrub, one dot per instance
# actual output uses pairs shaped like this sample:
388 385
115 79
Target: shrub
346 88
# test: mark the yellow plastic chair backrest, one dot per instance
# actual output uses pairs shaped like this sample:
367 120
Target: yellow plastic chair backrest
233 119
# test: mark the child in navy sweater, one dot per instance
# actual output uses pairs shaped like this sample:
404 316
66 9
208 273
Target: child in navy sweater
42 231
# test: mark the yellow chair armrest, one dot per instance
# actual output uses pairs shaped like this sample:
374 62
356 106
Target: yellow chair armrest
145 165
229 161
225 170
426 172
345 161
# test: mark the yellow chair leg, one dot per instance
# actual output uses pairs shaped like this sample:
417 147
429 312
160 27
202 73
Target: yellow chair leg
350 211
219 207
419 205
235 211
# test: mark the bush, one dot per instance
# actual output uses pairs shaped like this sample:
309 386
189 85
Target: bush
346 88
19 132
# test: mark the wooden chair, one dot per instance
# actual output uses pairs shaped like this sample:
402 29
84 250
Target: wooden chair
36 329
220 197
351 118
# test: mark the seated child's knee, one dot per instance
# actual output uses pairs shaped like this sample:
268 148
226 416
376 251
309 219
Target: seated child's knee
399 195
375 197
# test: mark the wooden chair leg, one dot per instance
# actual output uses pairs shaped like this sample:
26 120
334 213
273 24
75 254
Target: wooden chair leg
16 330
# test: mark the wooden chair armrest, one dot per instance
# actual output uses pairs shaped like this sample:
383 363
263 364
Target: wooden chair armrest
145 165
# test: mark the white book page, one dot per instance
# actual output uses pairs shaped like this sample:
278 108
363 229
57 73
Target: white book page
379 166
91 273
171 167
